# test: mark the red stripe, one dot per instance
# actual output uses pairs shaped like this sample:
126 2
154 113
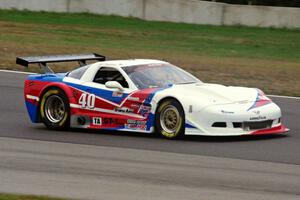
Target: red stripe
274 130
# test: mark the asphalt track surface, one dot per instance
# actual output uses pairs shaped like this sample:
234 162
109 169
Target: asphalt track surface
260 167
14 122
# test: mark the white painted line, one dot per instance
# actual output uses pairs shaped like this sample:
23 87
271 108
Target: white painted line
21 72
16 72
32 97
72 105
284 97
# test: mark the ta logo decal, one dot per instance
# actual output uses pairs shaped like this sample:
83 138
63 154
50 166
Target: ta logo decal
97 121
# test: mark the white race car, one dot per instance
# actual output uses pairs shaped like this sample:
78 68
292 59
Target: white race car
144 96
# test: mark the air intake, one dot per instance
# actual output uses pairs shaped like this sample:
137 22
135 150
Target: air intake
219 125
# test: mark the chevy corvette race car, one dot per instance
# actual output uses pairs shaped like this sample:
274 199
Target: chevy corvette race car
143 95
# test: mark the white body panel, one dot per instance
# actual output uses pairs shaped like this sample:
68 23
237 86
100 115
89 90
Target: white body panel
204 104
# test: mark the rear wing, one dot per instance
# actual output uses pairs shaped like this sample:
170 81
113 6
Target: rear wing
43 60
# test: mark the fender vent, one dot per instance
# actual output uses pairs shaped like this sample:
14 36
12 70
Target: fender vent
219 124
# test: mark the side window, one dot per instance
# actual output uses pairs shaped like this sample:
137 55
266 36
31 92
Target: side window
105 74
77 73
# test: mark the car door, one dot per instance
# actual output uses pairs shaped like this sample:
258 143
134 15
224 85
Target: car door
103 75
110 105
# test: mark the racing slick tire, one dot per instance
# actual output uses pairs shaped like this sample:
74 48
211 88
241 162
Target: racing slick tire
169 119
55 109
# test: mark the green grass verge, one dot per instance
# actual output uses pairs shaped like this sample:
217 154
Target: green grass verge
137 34
26 197
265 58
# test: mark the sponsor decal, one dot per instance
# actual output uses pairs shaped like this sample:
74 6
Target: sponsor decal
136 124
258 118
144 110
124 110
133 98
135 105
110 121
117 94
256 112
227 112
97 121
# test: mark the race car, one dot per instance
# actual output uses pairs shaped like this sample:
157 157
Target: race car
143 95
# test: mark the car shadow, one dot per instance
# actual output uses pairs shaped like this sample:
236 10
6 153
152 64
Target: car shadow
190 138
243 138
114 133
187 138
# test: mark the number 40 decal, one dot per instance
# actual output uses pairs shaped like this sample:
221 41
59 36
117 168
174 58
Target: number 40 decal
87 100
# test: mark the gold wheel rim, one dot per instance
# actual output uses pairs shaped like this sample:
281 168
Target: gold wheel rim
55 109
170 119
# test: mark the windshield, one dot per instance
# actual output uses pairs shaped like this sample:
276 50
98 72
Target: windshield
158 75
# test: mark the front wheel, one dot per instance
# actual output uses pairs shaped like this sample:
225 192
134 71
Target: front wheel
54 109
170 120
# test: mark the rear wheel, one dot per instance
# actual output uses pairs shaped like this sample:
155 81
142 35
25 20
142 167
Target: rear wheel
55 109
170 119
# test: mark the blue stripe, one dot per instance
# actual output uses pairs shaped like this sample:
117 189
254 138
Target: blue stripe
32 111
105 94
47 77
151 118
253 105
58 78
189 126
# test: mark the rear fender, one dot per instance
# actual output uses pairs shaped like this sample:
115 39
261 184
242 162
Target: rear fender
67 90
38 89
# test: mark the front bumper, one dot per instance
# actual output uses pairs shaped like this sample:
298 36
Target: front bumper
231 120
280 129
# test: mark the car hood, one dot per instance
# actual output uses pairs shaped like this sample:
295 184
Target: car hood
214 93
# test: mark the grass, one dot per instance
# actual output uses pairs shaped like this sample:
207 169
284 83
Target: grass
256 57
25 197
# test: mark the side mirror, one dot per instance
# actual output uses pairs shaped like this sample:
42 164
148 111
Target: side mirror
114 85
